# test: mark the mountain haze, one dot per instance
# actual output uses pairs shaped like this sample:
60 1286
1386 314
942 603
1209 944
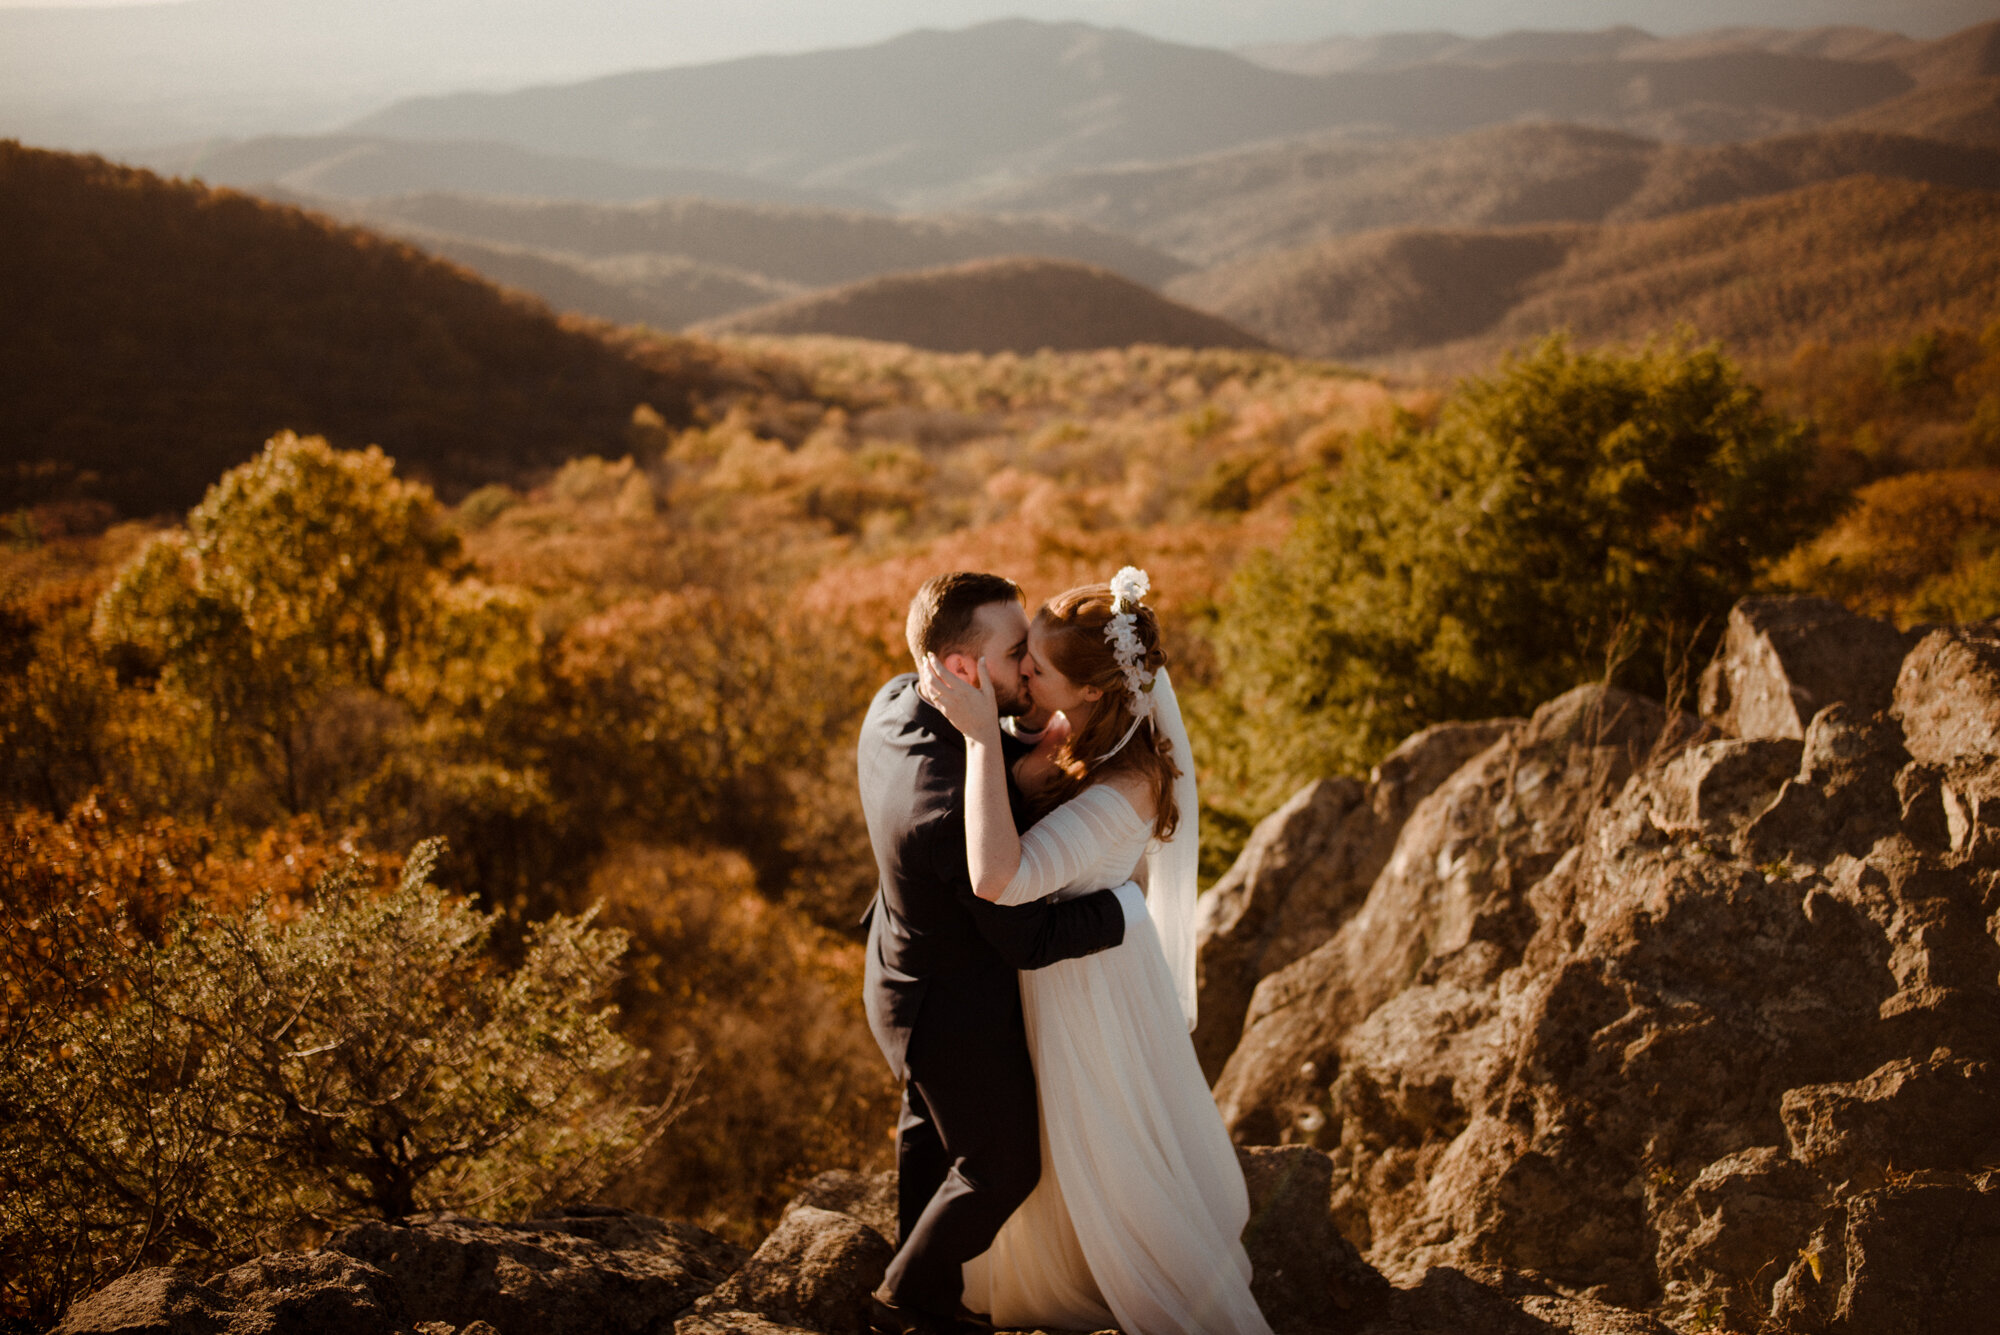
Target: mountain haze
1857 260
359 166
930 117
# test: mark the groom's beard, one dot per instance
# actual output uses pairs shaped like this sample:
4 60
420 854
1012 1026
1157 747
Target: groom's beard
1012 705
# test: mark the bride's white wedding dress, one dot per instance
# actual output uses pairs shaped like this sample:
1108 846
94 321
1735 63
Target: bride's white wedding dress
1140 1212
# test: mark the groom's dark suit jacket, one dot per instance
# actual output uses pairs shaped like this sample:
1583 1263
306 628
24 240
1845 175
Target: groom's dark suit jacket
929 937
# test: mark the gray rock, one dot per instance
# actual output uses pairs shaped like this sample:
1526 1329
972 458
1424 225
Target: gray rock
162 1300
1947 695
593 1271
1714 788
1936 1112
1455 882
1784 659
310 1293
1722 1236
1844 797
735 1323
869 1198
1654 1023
815 1271
1307 868
1909 1259
1304 1274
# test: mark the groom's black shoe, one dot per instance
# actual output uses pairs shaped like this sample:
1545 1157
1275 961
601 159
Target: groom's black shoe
887 1318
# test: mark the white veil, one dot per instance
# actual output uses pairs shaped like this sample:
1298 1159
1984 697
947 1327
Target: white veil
1173 865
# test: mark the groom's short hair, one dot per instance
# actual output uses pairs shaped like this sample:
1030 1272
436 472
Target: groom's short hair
940 619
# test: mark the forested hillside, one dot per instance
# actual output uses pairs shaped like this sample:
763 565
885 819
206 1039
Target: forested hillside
1231 206
158 330
1857 259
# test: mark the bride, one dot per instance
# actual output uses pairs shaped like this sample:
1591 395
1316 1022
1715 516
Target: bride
1138 1217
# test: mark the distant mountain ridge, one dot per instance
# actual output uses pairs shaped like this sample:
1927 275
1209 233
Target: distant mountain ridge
1390 51
349 166
1002 305
1230 206
931 117
1852 260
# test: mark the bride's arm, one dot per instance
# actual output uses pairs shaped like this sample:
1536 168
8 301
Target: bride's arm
992 845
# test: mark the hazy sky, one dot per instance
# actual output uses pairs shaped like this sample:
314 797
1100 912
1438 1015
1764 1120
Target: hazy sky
704 30
79 74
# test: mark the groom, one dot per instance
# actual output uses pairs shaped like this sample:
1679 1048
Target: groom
940 987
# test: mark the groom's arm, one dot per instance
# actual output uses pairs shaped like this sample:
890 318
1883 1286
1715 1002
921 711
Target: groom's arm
1030 936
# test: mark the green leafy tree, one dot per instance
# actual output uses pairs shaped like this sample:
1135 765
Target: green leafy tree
248 1077
315 616
1574 514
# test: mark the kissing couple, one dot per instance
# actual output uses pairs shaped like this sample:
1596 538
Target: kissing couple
1031 801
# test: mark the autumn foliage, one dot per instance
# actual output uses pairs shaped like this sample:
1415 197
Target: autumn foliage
630 683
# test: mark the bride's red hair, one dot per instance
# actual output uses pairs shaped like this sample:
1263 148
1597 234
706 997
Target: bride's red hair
1074 624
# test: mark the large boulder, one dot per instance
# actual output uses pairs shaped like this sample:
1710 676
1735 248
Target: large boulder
1456 880
592 1270
1783 659
815 1271
161 1300
869 1197
1305 871
1947 695
1704 1026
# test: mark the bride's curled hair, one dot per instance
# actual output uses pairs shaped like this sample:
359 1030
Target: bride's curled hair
1074 624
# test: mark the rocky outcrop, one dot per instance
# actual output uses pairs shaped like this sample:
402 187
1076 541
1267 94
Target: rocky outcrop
1453 887
590 1270
1700 1022
1306 870
1782 660
811 1276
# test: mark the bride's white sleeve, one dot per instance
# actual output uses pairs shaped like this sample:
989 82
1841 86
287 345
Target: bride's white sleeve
1071 840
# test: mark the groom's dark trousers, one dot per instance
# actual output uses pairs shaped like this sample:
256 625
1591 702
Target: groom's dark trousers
944 1002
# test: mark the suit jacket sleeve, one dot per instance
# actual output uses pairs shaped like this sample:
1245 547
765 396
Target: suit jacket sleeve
1029 936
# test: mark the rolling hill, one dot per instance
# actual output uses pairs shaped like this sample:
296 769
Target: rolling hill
1231 206
1005 305
663 291
813 247
159 331
1863 259
1959 113
929 117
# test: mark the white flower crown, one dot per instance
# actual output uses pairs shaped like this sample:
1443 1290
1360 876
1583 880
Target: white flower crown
1128 586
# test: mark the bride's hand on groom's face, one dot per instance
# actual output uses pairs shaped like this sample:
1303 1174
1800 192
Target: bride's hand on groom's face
970 706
